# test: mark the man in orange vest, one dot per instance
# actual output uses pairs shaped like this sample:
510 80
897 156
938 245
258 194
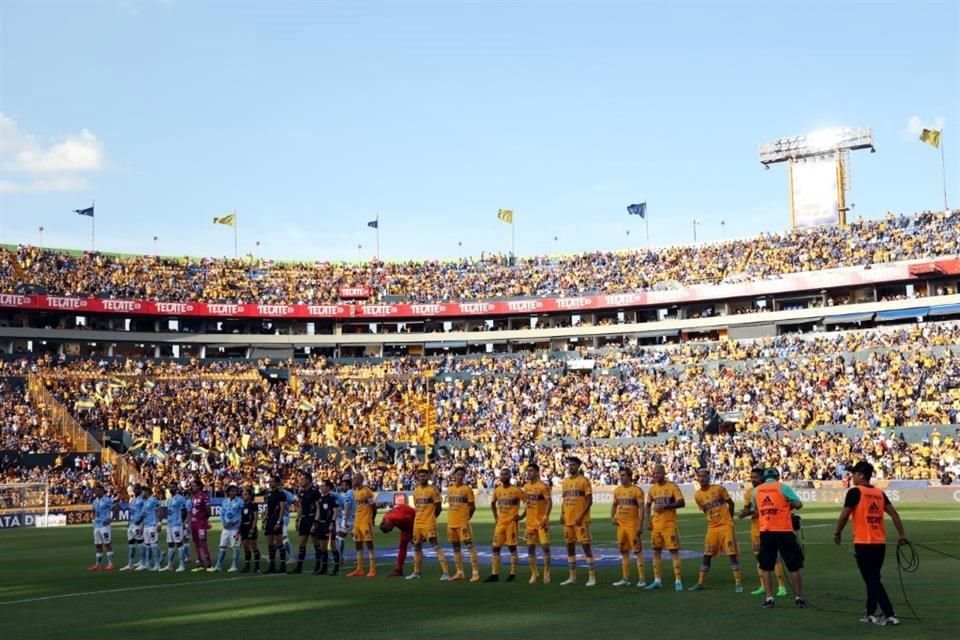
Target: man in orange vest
866 504
773 502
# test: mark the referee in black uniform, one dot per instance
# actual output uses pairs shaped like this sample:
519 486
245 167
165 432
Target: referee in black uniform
276 505
327 507
308 497
248 532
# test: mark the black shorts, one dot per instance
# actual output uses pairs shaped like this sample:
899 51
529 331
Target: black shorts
324 529
248 534
273 528
305 526
785 544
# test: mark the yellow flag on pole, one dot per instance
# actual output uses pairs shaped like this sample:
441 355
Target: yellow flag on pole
229 220
931 137
506 215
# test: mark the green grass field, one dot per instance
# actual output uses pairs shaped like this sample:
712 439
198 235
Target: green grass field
45 592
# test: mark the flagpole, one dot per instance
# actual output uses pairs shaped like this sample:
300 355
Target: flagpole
646 219
378 235
943 173
93 226
235 225
513 240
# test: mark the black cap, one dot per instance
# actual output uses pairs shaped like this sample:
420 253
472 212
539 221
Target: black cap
574 459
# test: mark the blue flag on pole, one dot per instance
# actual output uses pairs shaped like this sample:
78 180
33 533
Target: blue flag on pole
638 209
85 212
374 224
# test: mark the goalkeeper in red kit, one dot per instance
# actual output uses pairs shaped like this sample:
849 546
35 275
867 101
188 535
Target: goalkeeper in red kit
400 517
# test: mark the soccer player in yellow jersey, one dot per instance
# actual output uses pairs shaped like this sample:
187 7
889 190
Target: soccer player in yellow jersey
461 507
663 500
506 514
756 479
539 504
627 512
577 500
717 504
428 504
366 512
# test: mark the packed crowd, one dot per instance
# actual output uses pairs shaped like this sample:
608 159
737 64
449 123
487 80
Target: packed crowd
229 423
22 428
246 280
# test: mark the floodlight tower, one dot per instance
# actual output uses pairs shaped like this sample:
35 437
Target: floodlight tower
817 167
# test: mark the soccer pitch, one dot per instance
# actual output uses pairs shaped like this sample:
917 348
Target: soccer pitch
46 592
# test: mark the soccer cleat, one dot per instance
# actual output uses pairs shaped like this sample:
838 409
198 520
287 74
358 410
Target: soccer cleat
140 568
641 584
125 568
592 582
653 586
458 576
883 621
493 578
356 574
445 577
533 579
546 578
109 567
95 567
213 570
195 570
414 576
156 569
696 587
868 619
738 588
232 570
622 583
678 585
568 581
295 570
782 592
396 573
800 603
511 577
758 592
181 569
475 578
373 573
769 603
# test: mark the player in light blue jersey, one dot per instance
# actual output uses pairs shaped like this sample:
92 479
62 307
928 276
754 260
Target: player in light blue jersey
346 508
102 536
176 514
134 530
291 498
230 510
150 559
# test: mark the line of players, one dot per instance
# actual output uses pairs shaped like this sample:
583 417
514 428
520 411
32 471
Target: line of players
188 520
328 517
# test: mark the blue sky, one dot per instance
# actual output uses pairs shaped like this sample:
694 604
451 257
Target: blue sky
309 118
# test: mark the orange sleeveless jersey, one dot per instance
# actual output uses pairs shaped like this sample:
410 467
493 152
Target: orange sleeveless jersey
868 517
773 507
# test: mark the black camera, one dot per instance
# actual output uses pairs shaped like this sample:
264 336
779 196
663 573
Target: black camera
795 519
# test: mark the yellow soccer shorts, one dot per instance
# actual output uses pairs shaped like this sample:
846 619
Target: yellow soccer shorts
532 535
460 534
505 534
628 539
362 534
665 538
424 533
579 534
720 541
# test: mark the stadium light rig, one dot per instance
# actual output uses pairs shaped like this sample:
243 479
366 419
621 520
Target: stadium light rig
818 143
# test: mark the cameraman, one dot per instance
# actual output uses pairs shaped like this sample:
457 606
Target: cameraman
773 502
867 504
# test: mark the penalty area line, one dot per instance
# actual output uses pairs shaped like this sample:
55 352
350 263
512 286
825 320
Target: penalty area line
120 590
